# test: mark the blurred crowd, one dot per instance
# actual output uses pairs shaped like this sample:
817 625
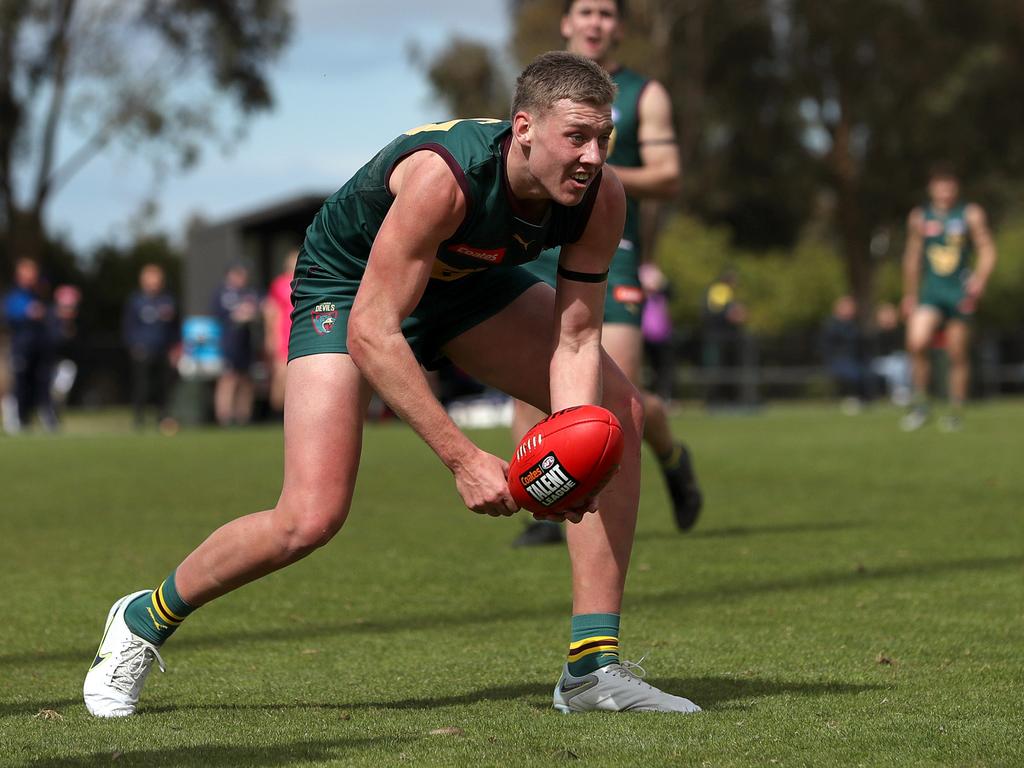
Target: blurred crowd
244 338
239 348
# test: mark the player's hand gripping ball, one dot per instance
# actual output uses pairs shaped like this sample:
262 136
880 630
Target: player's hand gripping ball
565 459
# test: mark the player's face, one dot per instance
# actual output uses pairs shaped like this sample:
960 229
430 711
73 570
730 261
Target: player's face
592 28
943 191
568 146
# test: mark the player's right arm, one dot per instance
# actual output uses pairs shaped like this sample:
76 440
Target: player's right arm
657 177
981 235
428 207
912 260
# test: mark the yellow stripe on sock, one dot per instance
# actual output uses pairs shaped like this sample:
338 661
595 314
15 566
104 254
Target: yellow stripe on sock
167 609
614 648
163 613
580 643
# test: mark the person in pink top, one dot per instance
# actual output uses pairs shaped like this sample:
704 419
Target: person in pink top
277 316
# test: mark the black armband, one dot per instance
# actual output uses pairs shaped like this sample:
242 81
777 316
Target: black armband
582 277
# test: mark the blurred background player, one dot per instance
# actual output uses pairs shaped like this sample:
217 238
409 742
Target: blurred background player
149 327
31 321
644 154
941 292
277 319
236 305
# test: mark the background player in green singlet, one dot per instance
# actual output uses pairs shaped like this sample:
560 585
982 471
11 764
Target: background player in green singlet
940 289
646 160
416 258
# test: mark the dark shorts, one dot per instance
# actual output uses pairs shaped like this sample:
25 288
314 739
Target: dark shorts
624 299
322 303
236 351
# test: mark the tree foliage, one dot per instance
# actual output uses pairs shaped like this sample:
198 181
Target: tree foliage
797 116
468 78
79 75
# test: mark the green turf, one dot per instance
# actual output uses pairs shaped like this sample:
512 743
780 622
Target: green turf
853 595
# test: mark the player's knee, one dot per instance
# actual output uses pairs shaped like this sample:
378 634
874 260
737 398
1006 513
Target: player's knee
626 402
654 407
308 526
917 345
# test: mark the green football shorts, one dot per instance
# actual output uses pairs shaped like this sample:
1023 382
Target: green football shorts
322 303
945 299
624 298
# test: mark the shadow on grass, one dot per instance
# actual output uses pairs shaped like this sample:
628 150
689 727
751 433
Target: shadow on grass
742 531
404 622
211 754
709 692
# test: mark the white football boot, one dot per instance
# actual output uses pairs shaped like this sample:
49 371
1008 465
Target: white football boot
122 663
615 688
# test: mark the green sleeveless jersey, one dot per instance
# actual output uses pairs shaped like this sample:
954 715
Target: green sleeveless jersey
491 234
625 148
947 248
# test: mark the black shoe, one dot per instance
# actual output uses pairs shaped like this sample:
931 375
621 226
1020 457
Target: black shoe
682 487
540 532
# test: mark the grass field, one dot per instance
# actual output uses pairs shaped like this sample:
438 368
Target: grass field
852 596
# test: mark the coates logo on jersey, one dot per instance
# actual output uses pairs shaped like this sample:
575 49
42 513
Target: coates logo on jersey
324 315
547 481
934 228
492 256
628 294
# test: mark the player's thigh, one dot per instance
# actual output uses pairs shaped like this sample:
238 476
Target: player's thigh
958 337
921 326
325 404
511 351
624 344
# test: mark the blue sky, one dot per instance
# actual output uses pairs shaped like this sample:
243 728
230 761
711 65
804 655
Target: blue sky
343 89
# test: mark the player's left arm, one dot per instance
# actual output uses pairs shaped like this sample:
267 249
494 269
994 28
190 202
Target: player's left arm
575 369
658 175
981 235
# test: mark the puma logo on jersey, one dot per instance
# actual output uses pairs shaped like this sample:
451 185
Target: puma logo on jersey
521 240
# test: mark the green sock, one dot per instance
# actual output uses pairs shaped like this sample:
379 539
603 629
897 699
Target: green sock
595 642
155 616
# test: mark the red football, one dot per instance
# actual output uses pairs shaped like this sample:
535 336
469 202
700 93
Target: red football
565 458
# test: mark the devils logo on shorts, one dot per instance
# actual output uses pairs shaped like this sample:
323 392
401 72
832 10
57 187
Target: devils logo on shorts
324 317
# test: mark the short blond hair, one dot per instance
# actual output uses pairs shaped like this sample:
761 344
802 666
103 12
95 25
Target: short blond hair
558 75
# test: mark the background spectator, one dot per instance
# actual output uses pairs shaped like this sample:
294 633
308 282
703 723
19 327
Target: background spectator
722 319
843 351
656 324
237 306
150 330
890 362
33 336
66 301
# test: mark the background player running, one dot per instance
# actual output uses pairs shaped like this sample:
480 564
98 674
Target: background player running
646 160
941 291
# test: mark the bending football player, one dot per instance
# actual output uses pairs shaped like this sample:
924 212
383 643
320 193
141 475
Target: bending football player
414 259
